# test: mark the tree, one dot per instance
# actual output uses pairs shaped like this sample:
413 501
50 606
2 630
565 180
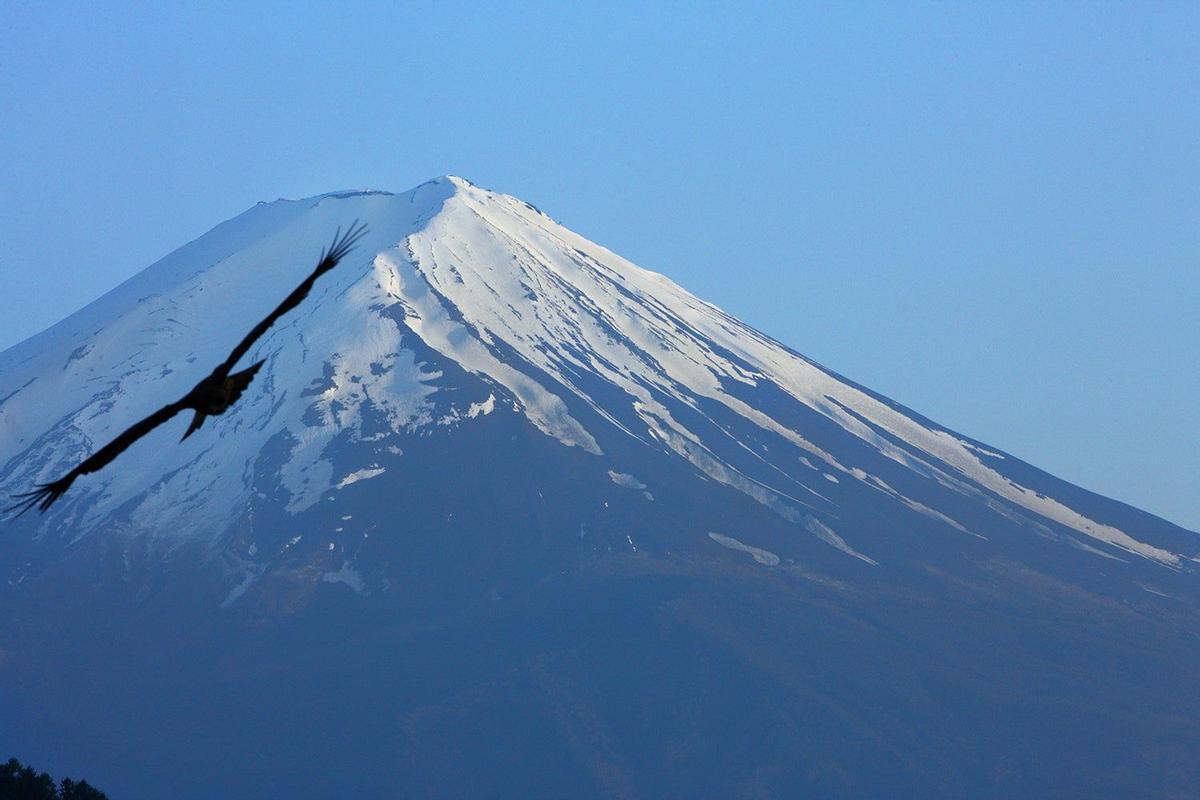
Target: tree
79 791
20 782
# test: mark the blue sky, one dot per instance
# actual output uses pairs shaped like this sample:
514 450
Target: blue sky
989 212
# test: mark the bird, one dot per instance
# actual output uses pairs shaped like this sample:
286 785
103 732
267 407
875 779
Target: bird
210 397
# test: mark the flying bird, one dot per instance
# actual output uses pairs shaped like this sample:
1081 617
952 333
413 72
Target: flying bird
210 397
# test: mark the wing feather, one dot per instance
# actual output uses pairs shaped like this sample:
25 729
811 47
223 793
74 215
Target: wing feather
341 245
45 494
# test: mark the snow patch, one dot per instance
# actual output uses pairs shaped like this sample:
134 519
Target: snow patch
826 534
625 480
482 409
360 475
765 557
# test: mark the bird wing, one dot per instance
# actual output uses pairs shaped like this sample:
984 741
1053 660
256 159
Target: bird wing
137 430
342 244
45 494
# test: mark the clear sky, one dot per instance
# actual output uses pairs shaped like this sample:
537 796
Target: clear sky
987 211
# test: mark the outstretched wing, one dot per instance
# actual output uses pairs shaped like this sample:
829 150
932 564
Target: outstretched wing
45 494
342 244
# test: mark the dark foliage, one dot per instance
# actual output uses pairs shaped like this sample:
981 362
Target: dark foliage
19 782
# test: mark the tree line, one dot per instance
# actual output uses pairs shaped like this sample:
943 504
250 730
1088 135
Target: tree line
20 782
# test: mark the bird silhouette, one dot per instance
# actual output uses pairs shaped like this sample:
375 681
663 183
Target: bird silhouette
210 397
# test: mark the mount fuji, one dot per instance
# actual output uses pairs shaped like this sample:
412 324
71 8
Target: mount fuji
506 515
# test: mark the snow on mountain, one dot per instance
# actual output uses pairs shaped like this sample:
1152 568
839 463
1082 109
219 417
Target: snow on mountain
552 322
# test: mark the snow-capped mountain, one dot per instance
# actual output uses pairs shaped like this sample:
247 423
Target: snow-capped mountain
476 399
585 346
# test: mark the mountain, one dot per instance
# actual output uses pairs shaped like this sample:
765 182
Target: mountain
507 515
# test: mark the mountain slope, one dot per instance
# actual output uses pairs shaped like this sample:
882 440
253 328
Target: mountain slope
536 475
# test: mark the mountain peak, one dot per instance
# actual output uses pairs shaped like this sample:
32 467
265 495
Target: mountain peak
457 180
452 183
